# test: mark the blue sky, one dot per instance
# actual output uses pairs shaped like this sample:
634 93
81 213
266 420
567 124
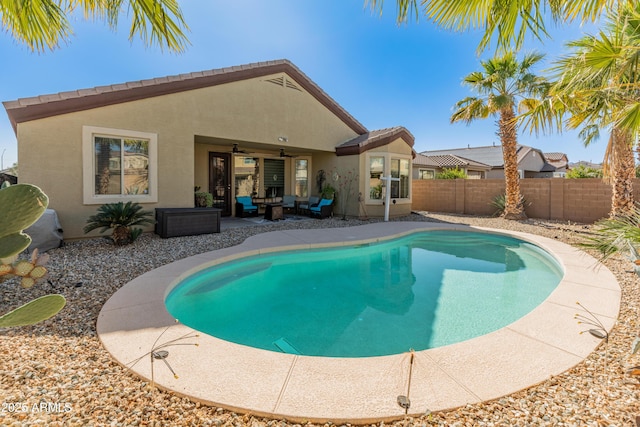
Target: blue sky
383 74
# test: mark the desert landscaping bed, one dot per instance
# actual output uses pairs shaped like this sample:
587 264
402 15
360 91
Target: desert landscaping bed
57 373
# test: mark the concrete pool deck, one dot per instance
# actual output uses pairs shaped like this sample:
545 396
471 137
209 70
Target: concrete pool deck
544 343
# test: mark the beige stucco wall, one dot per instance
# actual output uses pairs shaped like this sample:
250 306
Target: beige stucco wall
50 149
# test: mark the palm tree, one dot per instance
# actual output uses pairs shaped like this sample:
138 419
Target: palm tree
42 24
597 89
503 84
508 20
119 217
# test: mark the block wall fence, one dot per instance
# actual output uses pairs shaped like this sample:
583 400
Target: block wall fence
578 200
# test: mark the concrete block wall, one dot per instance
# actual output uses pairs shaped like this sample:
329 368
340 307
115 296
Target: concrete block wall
579 200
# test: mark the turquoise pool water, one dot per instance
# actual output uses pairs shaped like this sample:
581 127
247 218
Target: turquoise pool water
422 291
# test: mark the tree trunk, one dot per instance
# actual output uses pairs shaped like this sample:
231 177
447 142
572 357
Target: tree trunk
121 235
513 206
623 172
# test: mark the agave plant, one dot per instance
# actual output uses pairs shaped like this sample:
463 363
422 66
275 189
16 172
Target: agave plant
119 217
500 200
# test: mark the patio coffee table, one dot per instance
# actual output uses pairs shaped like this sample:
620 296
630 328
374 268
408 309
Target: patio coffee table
273 211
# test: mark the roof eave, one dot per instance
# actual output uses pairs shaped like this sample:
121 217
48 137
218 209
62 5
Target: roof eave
23 113
381 141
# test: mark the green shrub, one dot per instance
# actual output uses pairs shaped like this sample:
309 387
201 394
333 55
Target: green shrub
584 172
203 199
119 217
452 173
328 191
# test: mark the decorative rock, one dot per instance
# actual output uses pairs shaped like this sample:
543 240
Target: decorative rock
61 360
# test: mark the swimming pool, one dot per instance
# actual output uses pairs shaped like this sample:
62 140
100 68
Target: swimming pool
543 343
421 291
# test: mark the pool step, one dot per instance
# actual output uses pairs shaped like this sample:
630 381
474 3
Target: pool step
285 347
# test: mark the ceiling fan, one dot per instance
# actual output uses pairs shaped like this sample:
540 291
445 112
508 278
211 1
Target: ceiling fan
236 150
283 154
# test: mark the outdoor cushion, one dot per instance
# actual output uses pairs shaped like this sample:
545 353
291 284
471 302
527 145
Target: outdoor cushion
323 202
246 202
313 201
289 201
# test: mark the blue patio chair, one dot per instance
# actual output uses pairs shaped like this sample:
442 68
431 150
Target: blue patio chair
305 205
245 207
324 209
289 202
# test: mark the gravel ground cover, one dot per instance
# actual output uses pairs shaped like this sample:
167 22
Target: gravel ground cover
57 374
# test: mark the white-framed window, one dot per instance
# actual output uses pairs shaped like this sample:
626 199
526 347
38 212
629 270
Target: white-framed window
400 169
119 165
384 164
426 174
301 177
376 172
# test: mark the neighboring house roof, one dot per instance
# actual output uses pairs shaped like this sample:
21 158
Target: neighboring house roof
422 160
373 139
490 155
548 167
38 107
555 157
449 161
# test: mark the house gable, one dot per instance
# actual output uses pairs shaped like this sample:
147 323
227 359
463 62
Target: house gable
374 139
27 109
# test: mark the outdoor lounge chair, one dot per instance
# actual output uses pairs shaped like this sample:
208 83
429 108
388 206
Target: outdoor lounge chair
324 209
245 207
289 202
305 205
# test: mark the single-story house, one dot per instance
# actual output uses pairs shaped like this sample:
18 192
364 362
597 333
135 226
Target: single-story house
532 162
560 161
262 130
426 167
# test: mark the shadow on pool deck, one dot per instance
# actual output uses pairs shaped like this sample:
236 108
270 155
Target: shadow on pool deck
228 222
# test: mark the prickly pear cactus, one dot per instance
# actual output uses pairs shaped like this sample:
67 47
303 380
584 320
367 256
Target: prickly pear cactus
34 311
20 206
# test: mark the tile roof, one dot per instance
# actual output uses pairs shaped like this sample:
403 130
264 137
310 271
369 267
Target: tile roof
374 138
554 157
37 107
422 160
448 161
489 155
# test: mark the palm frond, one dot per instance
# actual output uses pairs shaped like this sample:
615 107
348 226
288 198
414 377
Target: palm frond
404 8
615 234
40 25
158 22
43 24
470 109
